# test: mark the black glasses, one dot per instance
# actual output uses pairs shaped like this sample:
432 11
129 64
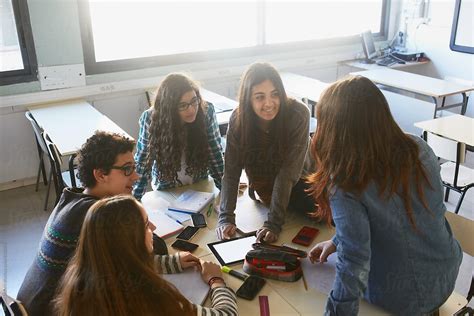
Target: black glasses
127 169
183 106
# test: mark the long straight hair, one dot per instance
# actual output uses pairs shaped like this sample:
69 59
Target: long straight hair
111 272
169 138
247 120
357 141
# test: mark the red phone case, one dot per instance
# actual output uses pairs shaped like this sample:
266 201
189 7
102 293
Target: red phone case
305 236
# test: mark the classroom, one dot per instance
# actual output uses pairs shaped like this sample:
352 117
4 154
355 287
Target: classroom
216 120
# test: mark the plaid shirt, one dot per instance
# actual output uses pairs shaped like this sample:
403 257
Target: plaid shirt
215 163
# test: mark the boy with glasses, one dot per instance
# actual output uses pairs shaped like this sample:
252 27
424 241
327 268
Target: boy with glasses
106 168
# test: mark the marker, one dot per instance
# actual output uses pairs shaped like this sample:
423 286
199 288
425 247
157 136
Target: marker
234 273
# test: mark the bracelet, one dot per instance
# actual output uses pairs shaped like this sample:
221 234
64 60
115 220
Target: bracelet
214 280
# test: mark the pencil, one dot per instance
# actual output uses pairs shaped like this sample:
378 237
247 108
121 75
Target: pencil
304 281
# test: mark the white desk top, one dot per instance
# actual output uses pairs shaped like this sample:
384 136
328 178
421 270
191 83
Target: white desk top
303 87
412 82
221 103
285 298
456 127
357 63
69 124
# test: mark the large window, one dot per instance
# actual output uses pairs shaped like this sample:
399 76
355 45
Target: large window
130 34
17 55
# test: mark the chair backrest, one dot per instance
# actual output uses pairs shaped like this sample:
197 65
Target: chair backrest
38 132
56 163
446 148
462 229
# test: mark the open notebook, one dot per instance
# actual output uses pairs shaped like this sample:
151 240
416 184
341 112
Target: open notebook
190 284
156 207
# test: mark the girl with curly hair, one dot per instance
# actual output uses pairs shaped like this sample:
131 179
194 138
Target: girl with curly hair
179 138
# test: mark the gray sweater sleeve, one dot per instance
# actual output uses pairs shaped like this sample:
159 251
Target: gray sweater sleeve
290 171
288 175
232 171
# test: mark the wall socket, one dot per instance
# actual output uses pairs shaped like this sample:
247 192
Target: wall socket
59 77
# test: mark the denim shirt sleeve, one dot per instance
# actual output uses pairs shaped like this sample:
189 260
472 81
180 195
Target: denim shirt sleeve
141 155
216 160
353 254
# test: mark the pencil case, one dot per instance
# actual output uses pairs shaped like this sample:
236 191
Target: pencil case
273 264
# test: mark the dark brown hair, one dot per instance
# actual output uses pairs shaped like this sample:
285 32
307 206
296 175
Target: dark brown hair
357 141
100 152
169 138
247 120
111 272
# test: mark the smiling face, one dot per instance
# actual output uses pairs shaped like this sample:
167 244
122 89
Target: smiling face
188 107
116 182
265 100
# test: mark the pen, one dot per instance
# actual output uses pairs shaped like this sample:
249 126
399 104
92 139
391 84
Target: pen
209 210
304 281
234 273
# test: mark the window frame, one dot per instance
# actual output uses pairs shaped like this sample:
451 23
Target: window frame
27 47
92 67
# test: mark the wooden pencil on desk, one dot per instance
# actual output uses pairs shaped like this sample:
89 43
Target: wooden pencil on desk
304 281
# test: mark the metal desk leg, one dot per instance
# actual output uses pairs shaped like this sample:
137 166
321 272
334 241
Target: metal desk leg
71 170
465 99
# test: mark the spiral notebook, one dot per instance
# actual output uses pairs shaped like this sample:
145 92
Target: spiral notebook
190 284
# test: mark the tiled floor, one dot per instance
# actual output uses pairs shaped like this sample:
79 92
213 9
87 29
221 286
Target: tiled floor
22 220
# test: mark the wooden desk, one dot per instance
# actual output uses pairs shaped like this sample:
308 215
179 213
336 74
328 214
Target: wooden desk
69 124
457 127
427 86
285 298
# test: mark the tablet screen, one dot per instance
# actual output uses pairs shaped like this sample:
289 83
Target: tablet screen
233 250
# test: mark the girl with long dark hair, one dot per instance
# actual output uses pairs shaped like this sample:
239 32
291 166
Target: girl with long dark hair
268 136
179 141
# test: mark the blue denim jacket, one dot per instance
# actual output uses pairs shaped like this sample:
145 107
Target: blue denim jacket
381 257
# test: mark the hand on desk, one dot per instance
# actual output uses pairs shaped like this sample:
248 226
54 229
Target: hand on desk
211 270
266 235
321 251
187 260
226 231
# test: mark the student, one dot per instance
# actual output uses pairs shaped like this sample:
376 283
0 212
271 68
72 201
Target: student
383 190
113 271
268 137
179 140
106 167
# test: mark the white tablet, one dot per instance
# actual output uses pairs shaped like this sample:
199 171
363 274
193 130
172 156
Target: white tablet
232 251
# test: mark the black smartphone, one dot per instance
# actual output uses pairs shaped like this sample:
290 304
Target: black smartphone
188 233
250 288
198 220
184 245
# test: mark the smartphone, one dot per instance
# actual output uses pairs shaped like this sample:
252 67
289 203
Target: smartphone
305 236
250 288
184 245
188 233
198 220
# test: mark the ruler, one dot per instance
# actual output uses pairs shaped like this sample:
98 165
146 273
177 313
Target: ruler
264 308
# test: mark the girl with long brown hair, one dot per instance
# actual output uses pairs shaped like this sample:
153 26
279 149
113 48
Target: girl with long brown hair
179 141
268 136
113 271
382 189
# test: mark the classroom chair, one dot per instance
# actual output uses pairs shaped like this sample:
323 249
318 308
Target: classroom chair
455 176
60 179
41 146
462 229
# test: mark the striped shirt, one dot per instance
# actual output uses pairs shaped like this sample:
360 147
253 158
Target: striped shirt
223 299
215 162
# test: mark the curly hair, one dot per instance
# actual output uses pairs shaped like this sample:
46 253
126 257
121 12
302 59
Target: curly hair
100 152
169 138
